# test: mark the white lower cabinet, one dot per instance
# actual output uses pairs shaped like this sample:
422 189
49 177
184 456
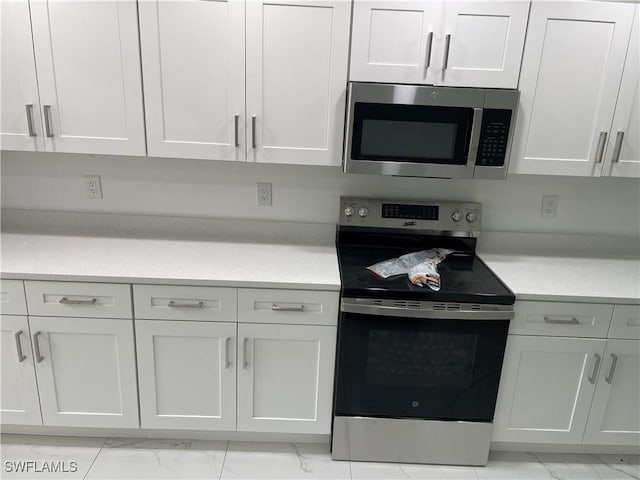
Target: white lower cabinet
546 388
615 412
19 402
187 374
285 378
86 371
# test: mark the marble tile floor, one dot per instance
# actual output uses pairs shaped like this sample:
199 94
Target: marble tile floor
111 458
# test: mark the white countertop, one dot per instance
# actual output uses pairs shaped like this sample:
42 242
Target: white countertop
284 255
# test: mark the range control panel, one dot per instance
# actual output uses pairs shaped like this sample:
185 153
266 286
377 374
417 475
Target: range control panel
494 137
408 214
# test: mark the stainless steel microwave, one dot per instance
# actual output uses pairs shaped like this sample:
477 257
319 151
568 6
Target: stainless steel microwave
422 131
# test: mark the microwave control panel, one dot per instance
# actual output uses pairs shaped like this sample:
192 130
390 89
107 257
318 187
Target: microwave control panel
494 136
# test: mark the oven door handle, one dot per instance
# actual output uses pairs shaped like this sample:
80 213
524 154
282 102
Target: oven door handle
474 141
497 312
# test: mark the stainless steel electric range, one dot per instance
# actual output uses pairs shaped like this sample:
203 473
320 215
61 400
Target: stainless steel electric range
417 370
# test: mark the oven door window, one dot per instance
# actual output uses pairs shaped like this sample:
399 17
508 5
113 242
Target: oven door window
413 368
411 133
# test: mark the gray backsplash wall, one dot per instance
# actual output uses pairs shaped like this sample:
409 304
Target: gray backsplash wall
194 188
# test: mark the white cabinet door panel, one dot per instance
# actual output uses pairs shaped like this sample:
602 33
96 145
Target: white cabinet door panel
187 374
485 48
18 85
571 70
193 64
12 298
297 56
546 388
391 40
285 378
624 160
87 372
19 403
88 65
614 418
625 323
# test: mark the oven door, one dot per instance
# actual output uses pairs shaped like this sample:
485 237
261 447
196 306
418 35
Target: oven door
400 367
413 130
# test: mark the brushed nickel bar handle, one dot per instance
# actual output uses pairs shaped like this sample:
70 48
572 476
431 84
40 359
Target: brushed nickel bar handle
36 346
427 62
21 356
602 142
245 363
278 308
67 301
227 361
253 131
237 139
618 147
447 45
47 120
612 370
174 304
474 141
29 108
572 321
594 373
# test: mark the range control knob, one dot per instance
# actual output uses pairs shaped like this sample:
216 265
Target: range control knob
349 211
472 216
363 212
456 216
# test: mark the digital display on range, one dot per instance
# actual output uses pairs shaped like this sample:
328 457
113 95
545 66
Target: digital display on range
412 212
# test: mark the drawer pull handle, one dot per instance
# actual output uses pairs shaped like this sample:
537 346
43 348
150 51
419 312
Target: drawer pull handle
612 370
29 108
596 367
565 321
447 45
47 120
36 346
68 301
293 308
227 361
427 62
173 303
602 143
21 356
245 363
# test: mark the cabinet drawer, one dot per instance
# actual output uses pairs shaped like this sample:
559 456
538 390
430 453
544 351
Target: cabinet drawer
302 307
12 301
71 299
171 302
625 322
561 319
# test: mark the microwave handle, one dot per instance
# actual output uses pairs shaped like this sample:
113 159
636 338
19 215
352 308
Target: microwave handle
474 141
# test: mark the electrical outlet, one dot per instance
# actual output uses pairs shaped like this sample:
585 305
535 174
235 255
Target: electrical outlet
264 194
549 206
93 186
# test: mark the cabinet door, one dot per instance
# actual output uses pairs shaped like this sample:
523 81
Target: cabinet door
187 374
20 127
614 418
623 150
393 41
285 378
480 43
86 371
193 64
571 71
88 66
297 53
546 388
19 403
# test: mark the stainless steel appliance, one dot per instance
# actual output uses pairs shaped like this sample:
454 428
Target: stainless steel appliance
422 131
417 370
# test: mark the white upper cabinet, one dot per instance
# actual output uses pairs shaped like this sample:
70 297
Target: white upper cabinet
20 126
623 150
193 59
297 57
571 69
88 66
473 44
